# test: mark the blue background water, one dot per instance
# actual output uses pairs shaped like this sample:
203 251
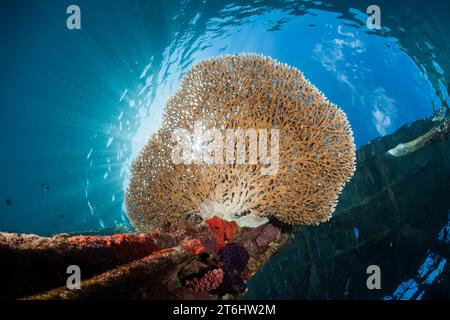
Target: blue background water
76 106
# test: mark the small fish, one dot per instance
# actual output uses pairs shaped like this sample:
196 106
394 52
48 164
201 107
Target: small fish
61 216
9 202
45 187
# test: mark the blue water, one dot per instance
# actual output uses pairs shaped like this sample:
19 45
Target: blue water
76 106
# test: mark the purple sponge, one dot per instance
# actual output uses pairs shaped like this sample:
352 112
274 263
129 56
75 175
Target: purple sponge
232 284
234 257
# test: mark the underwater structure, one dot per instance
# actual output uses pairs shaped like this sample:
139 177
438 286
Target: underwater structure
388 215
214 256
207 228
149 266
153 265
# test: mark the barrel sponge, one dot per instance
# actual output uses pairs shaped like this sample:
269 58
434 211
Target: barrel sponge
245 91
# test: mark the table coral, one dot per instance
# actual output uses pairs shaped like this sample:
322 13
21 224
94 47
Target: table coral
249 92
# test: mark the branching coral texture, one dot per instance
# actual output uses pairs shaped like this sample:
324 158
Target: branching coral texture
210 281
246 91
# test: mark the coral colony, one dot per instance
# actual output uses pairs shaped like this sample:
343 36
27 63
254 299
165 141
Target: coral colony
240 215
207 228
200 148
316 152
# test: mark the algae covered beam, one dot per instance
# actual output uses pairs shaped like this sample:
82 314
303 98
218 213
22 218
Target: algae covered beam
31 263
145 278
439 133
